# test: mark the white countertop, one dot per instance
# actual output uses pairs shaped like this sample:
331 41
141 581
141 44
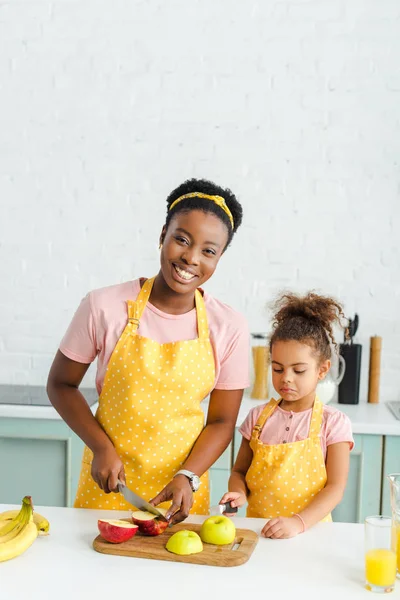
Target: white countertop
366 418
29 411
370 418
326 561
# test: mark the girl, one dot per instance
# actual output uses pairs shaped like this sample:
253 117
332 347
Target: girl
293 462
162 346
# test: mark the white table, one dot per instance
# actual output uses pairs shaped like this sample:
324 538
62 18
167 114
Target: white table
324 562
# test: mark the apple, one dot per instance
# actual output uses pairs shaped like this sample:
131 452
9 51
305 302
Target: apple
218 530
184 542
116 531
148 523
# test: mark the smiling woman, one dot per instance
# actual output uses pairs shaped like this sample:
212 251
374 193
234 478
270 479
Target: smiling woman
162 346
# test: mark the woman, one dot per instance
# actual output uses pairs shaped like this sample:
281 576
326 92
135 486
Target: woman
163 345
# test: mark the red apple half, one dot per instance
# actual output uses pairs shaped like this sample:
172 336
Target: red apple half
116 531
148 523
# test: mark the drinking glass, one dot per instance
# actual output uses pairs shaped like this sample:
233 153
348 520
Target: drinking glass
380 555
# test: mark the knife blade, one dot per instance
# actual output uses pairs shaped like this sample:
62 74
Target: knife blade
137 501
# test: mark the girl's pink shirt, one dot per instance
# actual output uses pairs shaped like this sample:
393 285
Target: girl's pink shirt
285 426
102 316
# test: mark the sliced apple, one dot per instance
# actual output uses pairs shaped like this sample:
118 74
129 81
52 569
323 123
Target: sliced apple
116 531
184 542
148 523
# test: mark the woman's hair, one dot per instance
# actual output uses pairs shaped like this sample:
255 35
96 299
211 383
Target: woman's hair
307 319
208 206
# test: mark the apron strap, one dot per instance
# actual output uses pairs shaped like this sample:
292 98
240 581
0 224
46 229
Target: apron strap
136 308
266 412
315 423
202 321
316 418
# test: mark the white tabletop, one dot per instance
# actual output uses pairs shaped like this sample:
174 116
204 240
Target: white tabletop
324 562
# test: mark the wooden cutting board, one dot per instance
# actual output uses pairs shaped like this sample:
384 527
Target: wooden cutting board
140 546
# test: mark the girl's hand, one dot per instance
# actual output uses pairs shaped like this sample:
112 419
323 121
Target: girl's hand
281 528
236 499
107 469
180 492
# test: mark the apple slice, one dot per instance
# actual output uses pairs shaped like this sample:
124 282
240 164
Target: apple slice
148 523
184 542
116 531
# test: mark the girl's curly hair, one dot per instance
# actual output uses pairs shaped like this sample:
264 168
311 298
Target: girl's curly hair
307 319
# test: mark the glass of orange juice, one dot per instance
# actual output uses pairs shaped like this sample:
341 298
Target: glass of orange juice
380 555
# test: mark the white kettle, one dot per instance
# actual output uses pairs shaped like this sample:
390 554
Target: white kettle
326 388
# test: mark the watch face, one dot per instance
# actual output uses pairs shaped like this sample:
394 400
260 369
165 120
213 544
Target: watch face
195 483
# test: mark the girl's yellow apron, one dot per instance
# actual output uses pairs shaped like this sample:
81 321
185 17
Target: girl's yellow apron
284 478
150 409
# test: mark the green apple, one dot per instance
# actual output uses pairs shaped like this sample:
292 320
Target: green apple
218 530
184 542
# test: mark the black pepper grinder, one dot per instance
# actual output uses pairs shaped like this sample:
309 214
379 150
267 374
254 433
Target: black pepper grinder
349 387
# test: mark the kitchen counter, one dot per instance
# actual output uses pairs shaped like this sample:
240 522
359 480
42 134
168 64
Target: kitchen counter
365 418
326 561
32 402
370 418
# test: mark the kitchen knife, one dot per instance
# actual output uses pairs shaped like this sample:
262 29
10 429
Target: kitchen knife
220 509
137 501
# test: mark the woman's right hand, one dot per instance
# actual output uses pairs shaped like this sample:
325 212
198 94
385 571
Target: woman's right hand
107 469
236 499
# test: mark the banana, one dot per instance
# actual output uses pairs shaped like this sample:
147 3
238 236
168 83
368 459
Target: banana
18 527
42 524
18 533
19 543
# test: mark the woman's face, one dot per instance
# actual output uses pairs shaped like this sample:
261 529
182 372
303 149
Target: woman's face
191 248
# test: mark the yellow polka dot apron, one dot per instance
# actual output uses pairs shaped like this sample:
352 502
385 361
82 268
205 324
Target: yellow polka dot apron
150 409
284 478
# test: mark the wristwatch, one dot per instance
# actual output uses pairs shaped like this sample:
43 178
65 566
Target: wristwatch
194 480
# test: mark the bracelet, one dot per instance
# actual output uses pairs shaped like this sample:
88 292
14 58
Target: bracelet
302 521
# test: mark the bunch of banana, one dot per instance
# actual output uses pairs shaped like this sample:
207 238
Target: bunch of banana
42 524
18 533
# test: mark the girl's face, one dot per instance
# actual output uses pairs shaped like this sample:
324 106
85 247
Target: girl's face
191 248
296 369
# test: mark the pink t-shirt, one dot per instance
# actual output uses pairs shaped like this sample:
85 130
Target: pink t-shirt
288 426
102 316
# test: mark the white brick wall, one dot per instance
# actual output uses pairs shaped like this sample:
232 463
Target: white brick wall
106 106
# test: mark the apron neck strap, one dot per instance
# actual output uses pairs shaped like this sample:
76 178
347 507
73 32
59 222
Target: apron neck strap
316 418
315 423
202 321
265 414
136 308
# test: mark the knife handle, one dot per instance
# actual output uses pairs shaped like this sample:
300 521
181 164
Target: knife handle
229 508
220 509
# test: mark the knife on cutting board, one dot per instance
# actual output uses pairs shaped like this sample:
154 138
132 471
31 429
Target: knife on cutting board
137 501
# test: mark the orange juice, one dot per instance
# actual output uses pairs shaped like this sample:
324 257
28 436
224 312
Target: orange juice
380 567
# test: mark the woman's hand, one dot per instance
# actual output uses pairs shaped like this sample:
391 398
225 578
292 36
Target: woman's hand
236 499
107 469
281 528
180 492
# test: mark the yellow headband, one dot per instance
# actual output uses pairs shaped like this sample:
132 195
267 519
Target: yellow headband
217 199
